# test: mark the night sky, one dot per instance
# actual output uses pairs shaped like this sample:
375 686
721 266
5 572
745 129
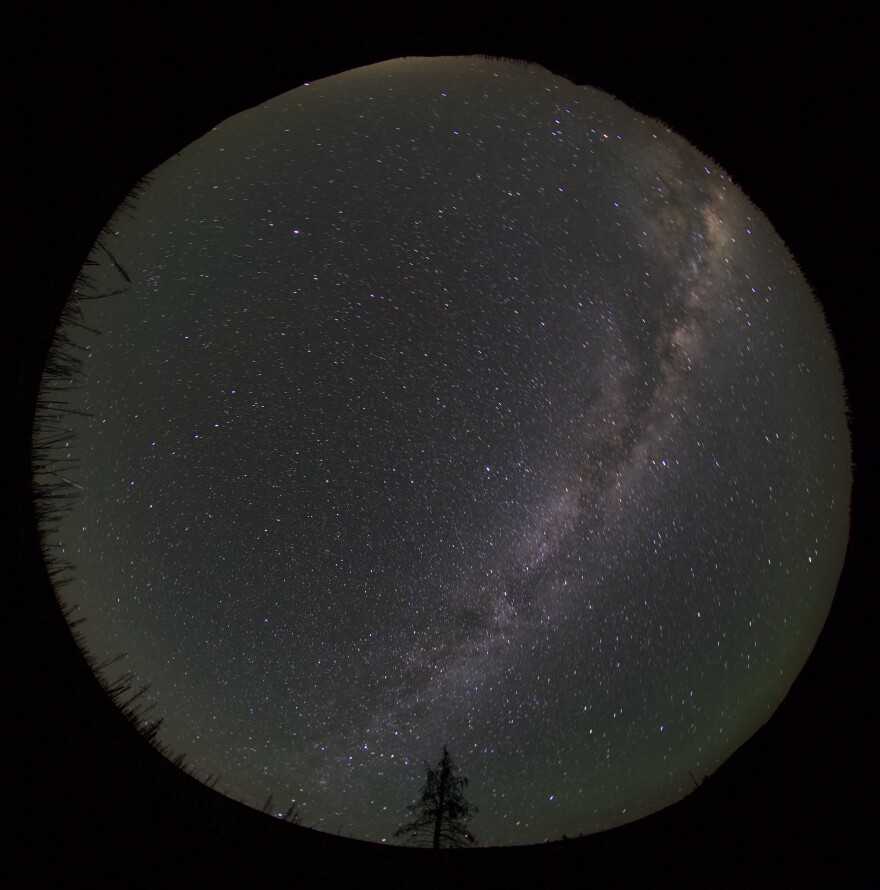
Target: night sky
453 403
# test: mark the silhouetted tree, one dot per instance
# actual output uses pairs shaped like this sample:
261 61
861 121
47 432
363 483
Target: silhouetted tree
292 814
441 812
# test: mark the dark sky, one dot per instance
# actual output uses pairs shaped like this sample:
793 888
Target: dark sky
93 101
453 403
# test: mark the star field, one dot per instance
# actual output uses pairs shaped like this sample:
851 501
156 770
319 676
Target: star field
454 403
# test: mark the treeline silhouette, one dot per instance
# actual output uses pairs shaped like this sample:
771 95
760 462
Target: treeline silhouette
55 491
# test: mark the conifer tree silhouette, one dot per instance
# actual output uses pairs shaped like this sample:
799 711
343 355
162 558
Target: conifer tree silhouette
441 812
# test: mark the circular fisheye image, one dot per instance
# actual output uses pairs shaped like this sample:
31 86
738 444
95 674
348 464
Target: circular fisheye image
447 412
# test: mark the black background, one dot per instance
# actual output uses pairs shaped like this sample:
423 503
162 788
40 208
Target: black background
96 95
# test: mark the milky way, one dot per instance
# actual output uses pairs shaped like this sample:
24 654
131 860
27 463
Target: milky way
452 403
